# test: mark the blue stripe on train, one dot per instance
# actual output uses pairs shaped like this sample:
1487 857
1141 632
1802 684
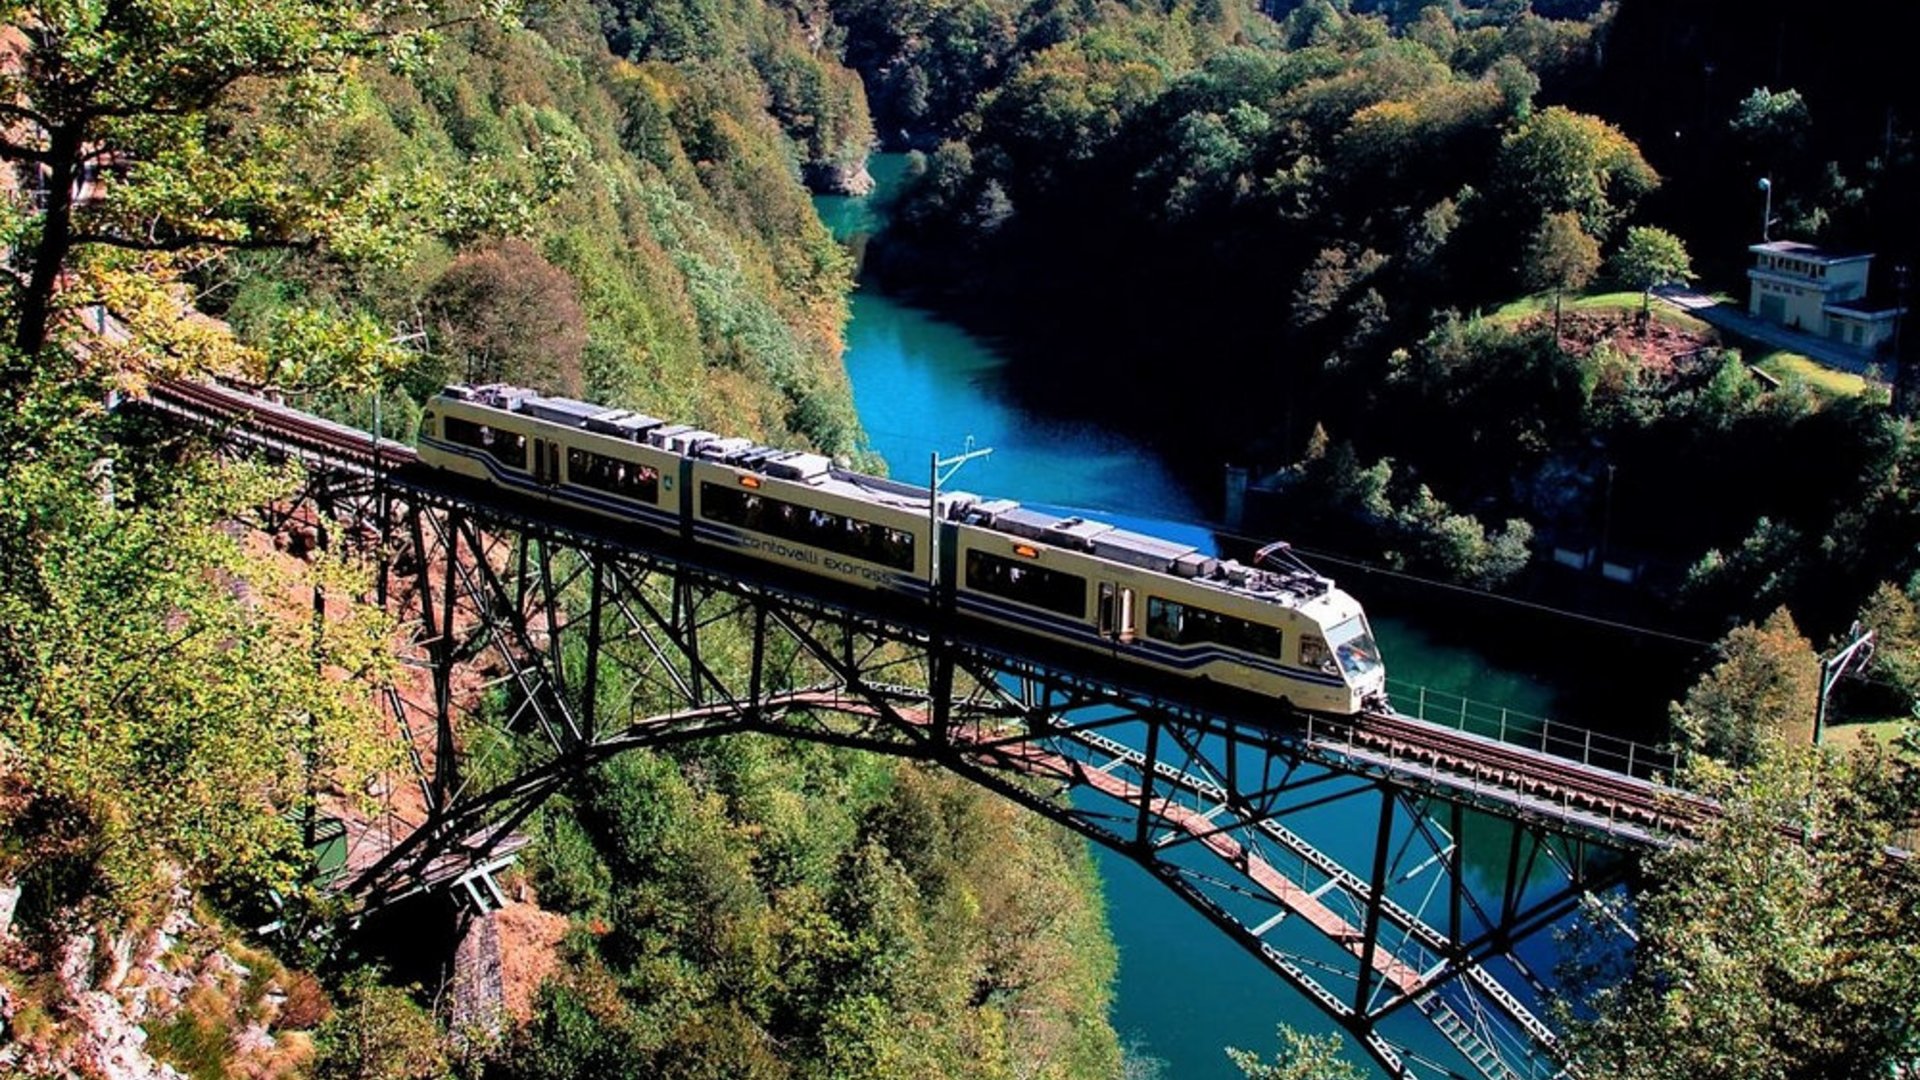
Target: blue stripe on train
734 537
568 493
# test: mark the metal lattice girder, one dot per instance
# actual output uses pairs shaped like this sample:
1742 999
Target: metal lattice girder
598 638
1201 802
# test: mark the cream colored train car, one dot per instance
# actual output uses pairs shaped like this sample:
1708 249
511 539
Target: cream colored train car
1287 634
1277 629
611 461
798 510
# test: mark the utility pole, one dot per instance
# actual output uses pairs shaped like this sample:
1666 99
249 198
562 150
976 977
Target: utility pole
1906 380
1855 652
935 478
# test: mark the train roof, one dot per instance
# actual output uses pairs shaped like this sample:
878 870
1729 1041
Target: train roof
1287 581
1291 582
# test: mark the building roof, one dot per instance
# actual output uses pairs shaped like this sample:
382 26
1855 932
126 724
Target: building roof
1874 310
1809 252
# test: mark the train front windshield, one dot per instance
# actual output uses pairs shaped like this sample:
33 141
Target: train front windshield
1354 646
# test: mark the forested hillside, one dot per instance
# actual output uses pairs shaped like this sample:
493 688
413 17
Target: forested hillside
1282 232
607 200
633 230
1268 235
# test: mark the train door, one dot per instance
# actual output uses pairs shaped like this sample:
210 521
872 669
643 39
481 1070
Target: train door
1116 612
546 462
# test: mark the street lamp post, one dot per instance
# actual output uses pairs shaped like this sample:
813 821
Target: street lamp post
1766 212
1855 652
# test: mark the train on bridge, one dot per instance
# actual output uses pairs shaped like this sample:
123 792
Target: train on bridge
1275 628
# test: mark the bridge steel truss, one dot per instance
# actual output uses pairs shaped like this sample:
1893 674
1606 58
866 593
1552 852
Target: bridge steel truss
581 639
595 645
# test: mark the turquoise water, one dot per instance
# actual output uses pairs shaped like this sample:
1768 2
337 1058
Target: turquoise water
923 386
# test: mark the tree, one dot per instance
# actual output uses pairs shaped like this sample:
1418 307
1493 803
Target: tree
1774 123
379 1033
163 693
1894 617
1760 695
506 313
1301 1057
1776 945
152 125
1651 256
1561 257
1558 159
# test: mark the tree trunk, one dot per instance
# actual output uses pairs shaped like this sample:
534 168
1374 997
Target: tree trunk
1556 318
56 241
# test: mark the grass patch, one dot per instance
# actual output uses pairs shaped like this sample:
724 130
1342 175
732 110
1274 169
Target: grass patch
1884 732
1625 304
1793 367
197 1040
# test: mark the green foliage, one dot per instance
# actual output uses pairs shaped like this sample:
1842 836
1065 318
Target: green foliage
1416 528
819 103
1301 1057
379 1033
190 106
693 278
1893 614
1776 123
1561 160
866 920
1778 944
163 697
1562 257
1758 698
1649 257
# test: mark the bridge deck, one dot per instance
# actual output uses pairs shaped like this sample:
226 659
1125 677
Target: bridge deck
1516 781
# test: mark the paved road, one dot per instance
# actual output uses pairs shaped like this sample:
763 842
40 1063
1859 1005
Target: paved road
1735 320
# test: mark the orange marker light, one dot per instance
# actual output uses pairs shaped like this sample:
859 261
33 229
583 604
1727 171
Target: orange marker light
750 481
1025 552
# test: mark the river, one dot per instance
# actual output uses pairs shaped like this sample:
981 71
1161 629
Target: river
1185 991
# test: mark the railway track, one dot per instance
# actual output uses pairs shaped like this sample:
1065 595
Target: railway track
1573 786
1534 782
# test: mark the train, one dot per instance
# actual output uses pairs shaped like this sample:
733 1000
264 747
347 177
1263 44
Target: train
1273 627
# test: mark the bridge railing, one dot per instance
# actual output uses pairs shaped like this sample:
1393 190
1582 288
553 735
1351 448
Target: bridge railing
1532 732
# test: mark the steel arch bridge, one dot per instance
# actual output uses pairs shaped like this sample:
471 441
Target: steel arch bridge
1453 850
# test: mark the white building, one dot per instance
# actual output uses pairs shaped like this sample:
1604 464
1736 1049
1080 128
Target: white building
1823 292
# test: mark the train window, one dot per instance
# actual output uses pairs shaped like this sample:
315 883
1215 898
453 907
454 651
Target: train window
1354 646
843 535
1182 624
1314 654
507 447
613 475
1027 583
